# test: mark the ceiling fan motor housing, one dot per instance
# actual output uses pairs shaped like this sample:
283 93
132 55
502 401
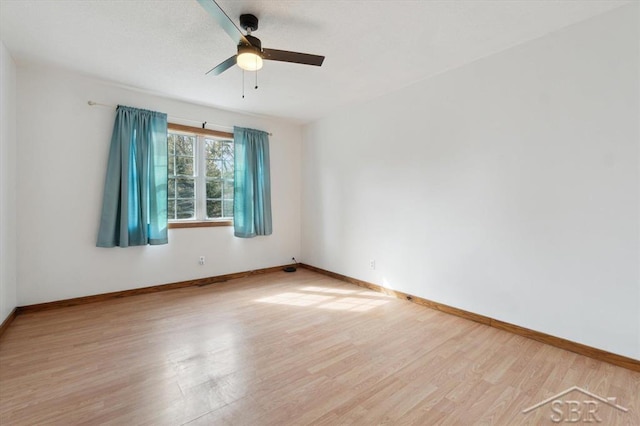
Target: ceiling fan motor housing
255 42
249 22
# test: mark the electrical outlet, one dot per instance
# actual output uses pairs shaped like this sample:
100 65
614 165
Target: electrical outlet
201 261
372 264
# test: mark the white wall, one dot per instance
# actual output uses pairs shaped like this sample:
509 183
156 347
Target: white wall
8 244
62 157
508 187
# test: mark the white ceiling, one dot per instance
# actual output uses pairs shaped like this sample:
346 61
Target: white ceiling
371 47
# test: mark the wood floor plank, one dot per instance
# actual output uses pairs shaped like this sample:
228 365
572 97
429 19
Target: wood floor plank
280 349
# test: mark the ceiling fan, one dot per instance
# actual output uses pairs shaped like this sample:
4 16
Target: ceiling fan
250 52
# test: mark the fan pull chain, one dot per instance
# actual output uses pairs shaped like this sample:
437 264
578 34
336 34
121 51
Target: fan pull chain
256 58
242 84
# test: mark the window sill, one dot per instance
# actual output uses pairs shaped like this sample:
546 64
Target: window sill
201 224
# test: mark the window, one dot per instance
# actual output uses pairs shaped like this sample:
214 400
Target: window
200 177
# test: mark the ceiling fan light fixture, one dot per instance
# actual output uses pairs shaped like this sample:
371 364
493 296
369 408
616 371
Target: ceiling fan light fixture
250 53
249 60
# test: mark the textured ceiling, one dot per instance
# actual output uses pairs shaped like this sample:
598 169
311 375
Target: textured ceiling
371 47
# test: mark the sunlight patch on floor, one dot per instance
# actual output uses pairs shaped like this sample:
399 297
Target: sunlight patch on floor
328 290
355 304
295 299
350 302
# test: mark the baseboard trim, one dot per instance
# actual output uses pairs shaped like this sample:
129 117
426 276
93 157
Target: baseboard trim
579 348
8 320
144 290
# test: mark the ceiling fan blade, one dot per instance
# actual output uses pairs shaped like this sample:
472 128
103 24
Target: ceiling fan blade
224 21
222 67
298 58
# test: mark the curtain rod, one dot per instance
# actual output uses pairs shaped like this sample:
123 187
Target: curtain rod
204 123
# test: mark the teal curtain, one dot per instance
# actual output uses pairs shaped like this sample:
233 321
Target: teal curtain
134 207
252 183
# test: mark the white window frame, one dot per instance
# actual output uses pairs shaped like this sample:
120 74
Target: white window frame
200 177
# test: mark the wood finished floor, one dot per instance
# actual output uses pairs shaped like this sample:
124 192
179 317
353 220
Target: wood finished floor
285 349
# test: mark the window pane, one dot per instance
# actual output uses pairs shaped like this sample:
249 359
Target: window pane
214 168
184 145
226 150
171 214
185 188
184 166
170 170
228 169
214 189
185 209
171 188
211 148
170 144
214 209
228 189
228 208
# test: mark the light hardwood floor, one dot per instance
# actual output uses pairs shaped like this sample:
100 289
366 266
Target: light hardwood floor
280 349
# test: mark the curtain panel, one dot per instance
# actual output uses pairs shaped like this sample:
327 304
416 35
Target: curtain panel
134 207
252 183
